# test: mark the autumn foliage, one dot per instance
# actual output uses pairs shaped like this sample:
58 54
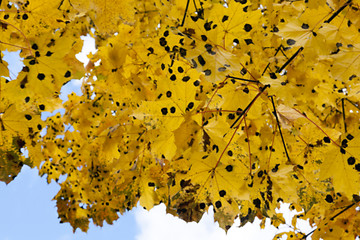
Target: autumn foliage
240 105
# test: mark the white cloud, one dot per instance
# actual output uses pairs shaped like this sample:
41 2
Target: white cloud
156 225
88 47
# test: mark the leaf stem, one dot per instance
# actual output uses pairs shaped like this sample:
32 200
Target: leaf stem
277 51
248 142
343 113
290 59
243 113
332 218
317 126
278 123
338 11
249 105
354 104
242 79
186 9
28 42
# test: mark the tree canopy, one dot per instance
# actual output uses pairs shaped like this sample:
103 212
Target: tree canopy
236 104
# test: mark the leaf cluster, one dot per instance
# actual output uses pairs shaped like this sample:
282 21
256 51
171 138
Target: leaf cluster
237 104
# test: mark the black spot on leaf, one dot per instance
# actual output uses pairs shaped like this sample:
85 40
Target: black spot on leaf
172 109
194 18
342 150
276 168
201 60
28 117
162 41
351 160
41 76
257 202
222 193
357 167
248 41
207 72
329 198
350 137
194 64
326 139
184 183
190 105
247 27
35 46
67 74
203 37
208 48
151 51
218 204
173 77
207 26
186 78
164 111
305 26
243 71
344 143
182 52
290 42
229 168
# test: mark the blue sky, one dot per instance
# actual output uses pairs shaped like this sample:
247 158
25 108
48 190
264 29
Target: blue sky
27 211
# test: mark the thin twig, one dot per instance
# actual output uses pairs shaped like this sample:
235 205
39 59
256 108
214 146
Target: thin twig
338 11
354 104
242 79
290 59
277 51
343 111
249 105
278 123
186 9
332 218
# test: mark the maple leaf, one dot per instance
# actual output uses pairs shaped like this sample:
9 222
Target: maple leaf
10 165
106 14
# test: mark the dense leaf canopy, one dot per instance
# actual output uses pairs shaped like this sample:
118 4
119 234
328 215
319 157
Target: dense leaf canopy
236 104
